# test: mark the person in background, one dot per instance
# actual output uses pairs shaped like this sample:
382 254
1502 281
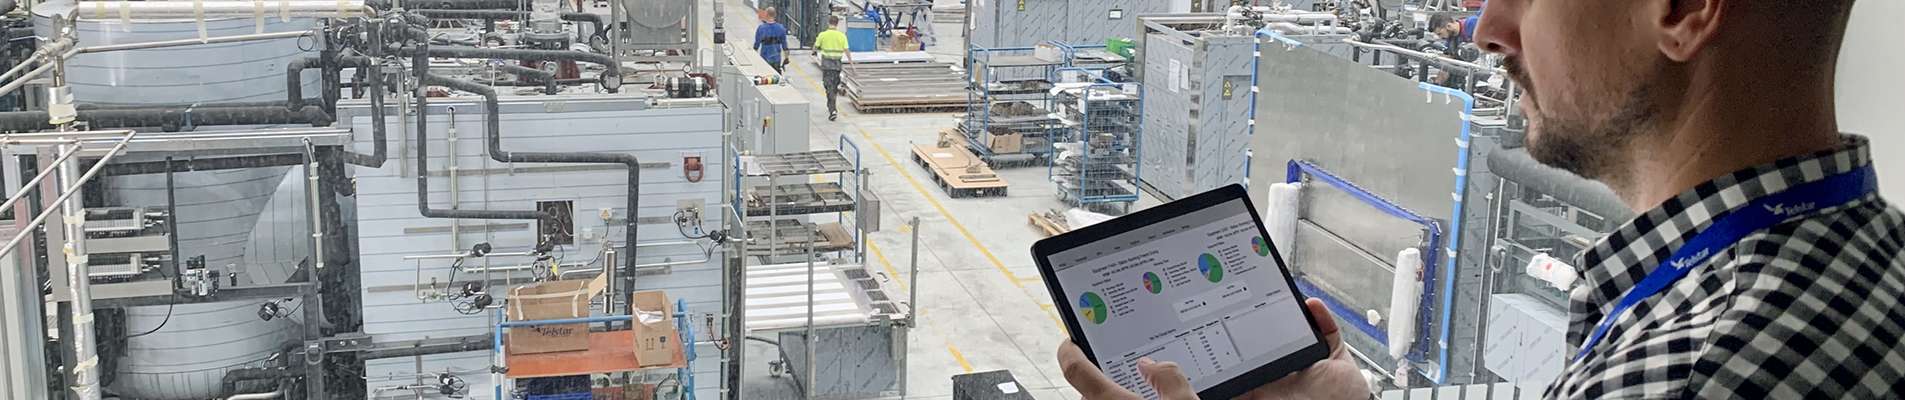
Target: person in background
1762 263
831 45
771 39
1454 32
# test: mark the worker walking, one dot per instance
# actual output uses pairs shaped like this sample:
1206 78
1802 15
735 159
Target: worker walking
771 39
832 48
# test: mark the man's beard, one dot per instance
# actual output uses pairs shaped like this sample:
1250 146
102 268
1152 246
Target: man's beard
1593 147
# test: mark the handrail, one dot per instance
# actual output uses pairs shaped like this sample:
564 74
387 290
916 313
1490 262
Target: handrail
117 149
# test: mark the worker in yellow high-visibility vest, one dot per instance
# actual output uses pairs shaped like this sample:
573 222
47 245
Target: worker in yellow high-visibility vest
831 46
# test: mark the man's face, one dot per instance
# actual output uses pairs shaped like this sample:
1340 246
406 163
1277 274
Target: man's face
1449 29
1589 74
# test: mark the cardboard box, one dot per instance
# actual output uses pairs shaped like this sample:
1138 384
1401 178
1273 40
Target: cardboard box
1006 144
903 42
656 341
544 301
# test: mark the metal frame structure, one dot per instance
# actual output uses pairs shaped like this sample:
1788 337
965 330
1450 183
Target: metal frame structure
1105 122
1022 72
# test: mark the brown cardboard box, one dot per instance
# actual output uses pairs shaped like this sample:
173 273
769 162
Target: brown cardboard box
903 42
656 341
1006 144
543 301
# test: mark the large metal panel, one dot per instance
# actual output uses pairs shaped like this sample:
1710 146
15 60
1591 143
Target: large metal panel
1167 113
1222 132
390 228
1380 132
22 332
1197 114
1024 23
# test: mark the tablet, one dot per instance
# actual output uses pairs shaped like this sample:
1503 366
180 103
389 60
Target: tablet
1196 281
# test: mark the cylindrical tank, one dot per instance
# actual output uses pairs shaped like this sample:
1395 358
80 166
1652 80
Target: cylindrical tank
218 210
228 72
187 358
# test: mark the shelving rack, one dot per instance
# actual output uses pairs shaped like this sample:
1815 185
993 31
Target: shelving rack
1007 94
1098 167
773 209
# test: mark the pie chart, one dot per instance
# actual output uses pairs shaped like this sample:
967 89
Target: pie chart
1092 308
1209 266
1152 283
1262 247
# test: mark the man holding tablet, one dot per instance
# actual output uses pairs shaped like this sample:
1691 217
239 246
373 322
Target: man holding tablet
1763 263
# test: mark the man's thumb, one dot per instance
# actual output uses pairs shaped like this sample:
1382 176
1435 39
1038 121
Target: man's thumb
1167 379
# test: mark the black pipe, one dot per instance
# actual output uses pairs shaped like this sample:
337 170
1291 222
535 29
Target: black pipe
172 119
420 61
613 71
1517 166
229 384
547 78
493 134
294 76
203 164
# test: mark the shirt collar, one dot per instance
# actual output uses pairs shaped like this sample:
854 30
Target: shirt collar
1625 256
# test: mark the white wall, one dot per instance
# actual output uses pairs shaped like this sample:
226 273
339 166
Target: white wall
1871 95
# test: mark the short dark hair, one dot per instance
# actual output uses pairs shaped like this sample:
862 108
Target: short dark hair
1439 20
833 20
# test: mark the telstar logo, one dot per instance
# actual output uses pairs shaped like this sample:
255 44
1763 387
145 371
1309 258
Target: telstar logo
1785 210
1692 260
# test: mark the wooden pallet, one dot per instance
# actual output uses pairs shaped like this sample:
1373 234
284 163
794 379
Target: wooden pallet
958 172
1049 222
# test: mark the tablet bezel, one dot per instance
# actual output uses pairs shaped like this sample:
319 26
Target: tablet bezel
1236 386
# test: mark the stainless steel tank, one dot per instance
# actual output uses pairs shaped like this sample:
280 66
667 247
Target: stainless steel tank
218 210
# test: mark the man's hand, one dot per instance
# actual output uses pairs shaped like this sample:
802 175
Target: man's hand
1336 377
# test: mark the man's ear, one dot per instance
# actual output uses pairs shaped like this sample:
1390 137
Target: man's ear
1688 26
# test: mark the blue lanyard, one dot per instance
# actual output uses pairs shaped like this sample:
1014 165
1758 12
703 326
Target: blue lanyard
1756 215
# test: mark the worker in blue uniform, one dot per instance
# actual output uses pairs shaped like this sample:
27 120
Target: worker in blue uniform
771 39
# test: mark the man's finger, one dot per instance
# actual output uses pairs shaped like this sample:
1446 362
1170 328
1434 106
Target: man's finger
1085 377
1168 379
1325 323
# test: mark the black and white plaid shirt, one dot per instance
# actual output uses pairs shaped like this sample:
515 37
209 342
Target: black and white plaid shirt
1809 309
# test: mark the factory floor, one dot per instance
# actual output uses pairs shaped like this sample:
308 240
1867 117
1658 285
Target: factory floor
982 304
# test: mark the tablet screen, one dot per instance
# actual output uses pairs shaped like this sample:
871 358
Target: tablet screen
1199 289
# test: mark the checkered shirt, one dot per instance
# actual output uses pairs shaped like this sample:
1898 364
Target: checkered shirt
1808 309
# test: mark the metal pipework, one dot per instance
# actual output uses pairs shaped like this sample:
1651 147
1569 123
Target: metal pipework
492 116
611 77
200 9
1440 61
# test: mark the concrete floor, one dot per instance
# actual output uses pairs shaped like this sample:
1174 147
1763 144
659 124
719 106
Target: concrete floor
982 304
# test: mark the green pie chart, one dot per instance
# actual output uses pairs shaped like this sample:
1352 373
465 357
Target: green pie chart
1152 283
1093 308
1211 268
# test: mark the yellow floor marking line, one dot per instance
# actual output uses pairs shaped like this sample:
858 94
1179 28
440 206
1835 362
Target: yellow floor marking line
895 164
957 356
895 273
